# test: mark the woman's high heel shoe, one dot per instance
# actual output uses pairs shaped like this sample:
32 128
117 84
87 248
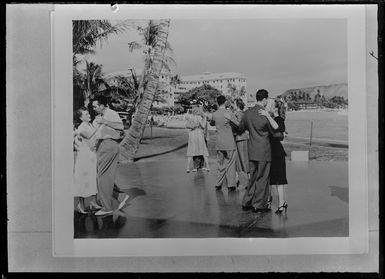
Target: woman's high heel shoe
80 209
282 208
94 205
268 205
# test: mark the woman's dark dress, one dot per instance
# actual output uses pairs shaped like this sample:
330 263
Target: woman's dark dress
278 162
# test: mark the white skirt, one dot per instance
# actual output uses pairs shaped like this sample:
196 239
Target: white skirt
85 173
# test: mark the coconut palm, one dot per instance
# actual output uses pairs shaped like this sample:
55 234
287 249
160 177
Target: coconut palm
93 79
131 141
87 33
175 80
150 35
126 89
77 75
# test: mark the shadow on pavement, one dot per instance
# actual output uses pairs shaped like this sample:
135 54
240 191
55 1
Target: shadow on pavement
134 192
91 226
158 137
160 153
340 192
120 225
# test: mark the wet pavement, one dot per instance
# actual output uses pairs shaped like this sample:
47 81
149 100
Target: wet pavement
167 202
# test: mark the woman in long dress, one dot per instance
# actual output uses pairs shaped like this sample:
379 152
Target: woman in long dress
196 123
278 161
85 163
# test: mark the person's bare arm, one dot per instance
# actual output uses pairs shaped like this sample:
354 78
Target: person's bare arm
272 122
117 125
88 134
234 121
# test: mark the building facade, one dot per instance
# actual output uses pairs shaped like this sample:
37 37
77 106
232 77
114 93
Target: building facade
227 83
165 97
169 90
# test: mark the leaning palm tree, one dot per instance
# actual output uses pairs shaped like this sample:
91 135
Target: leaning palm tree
131 141
150 35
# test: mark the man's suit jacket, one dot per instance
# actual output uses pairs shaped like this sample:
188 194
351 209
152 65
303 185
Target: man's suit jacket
259 134
225 137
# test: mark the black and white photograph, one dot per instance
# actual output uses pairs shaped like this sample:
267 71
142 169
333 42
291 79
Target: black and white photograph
210 130
193 138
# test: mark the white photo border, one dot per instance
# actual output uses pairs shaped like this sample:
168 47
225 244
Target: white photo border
64 244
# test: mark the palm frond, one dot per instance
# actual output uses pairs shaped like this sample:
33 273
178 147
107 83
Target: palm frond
169 59
86 33
169 48
134 46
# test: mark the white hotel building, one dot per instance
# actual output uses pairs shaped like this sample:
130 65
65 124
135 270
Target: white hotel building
220 81
165 85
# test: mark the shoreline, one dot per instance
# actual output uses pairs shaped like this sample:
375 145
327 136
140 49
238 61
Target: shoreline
319 110
165 143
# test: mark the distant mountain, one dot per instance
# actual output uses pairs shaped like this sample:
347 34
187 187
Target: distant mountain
328 91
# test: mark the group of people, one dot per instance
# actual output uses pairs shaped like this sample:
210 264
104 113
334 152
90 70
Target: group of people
97 156
248 146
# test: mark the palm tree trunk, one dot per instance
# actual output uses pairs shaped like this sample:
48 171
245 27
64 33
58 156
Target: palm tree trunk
86 96
130 143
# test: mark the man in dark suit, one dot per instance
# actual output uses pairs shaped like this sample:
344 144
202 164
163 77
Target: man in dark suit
259 124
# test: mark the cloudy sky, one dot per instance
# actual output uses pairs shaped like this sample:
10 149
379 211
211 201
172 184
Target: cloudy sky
275 54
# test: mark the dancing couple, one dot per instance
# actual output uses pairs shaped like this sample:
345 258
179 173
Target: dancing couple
265 154
97 158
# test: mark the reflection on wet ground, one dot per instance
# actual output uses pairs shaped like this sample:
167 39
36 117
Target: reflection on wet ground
165 202
91 226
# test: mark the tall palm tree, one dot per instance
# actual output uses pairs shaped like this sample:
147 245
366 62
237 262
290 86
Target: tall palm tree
131 141
175 80
85 35
150 35
126 88
93 78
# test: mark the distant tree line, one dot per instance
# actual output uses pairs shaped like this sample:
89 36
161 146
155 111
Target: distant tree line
299 99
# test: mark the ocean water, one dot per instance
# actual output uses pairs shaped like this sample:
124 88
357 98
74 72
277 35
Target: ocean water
326 125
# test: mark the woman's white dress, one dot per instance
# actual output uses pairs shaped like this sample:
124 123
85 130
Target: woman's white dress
85 164
196 140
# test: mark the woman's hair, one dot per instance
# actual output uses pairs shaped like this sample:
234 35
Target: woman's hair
79 112
270 106
281 108
240 104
